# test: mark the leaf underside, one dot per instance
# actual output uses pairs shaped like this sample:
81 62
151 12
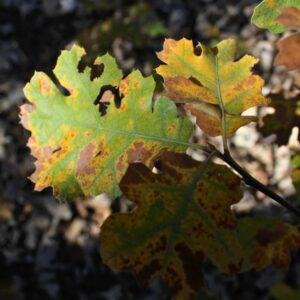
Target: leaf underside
183 217
78 151
212 86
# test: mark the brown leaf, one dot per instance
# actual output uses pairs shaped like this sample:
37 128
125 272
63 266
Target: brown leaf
289 17
289 49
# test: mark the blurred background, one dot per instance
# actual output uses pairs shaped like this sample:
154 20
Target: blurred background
50 250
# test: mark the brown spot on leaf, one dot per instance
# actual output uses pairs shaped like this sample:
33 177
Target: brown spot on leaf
25 110
134 174
248 82
85 156
269 236
289 17
179 159
44 85
192 265
140 152
121 164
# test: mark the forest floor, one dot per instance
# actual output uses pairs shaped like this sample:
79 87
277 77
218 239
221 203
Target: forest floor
50 250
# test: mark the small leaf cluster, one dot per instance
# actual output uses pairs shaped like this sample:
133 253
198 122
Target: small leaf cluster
106 134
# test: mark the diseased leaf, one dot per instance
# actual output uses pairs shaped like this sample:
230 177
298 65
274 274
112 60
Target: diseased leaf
282 291
210 83
182 216
286 116
289 47
209 118
267 241
78 151
266 13
289 18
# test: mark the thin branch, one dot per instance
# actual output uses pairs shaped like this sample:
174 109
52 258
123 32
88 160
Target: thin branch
251 181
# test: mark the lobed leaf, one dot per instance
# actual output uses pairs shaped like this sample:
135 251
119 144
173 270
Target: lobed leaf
183 217
266 13
78 151
212 85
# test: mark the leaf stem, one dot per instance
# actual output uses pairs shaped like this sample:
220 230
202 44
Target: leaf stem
221 104
226 157
251 181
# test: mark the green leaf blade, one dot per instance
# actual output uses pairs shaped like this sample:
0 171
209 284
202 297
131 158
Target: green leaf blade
80 152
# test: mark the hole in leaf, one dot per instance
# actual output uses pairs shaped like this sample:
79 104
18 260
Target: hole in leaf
61 88
104 104
98 153
87 61
215 50
196 81
56 150
83 63
197 49
96 71
157 166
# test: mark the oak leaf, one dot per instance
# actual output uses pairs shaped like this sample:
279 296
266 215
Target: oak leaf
182 216
266 13
214 88
78 151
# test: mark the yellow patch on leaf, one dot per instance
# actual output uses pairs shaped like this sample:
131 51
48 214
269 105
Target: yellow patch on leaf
80 152
182 216
211 78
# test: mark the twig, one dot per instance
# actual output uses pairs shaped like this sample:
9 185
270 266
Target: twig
251 181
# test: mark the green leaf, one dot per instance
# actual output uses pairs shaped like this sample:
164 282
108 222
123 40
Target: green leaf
214 88
266 13
78 151
182 216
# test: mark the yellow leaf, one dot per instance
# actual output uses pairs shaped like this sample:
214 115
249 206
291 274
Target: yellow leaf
212 77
